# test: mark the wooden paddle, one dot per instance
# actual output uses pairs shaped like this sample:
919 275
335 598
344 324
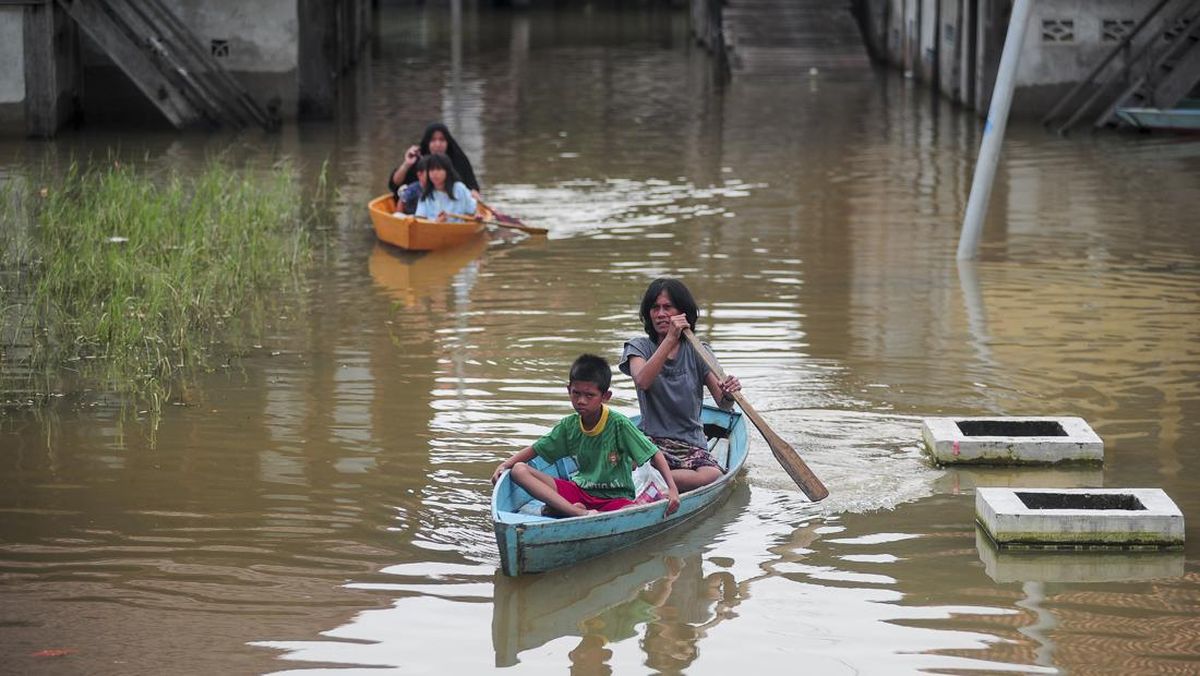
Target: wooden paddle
500 224
503 218
783 451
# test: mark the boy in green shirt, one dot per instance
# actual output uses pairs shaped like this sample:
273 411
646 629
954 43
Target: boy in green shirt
605 444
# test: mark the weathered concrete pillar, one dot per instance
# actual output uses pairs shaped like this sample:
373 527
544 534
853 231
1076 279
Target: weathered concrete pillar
52 69
319 65
873 20
706 25
989 44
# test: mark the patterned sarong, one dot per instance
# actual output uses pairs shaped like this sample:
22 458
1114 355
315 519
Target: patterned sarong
682 455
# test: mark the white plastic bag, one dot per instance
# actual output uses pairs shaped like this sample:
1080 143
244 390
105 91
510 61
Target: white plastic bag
648 484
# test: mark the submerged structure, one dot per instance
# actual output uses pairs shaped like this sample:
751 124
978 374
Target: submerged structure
1082 63
188 62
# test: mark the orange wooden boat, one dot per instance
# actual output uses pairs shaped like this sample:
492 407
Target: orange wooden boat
417 234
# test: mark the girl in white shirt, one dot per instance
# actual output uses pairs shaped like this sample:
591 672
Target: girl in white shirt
445 194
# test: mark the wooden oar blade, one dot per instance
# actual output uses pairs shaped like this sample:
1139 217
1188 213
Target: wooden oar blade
533 230
798 470
500 218
489 221
787 456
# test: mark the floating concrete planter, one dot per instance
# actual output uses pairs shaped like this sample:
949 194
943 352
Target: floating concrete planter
1080 518
1008 565
1011 441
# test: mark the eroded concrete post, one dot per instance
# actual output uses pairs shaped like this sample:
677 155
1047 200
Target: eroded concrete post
52 65
319 65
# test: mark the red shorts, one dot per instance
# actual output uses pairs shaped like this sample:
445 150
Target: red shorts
573 493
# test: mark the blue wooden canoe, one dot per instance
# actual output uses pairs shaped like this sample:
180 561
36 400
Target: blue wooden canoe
530 543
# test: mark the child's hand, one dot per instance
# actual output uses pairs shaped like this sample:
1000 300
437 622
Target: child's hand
412 154
672 500
499 470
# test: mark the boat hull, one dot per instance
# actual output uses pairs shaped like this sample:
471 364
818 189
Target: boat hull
532 544
1180 119
417 234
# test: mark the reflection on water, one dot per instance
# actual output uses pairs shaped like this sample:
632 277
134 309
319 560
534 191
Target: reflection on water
412 277
326 495
662 596
1004 565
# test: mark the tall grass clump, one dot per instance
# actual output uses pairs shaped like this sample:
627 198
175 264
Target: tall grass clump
131 279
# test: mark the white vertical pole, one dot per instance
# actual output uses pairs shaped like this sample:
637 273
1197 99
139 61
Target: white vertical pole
993 132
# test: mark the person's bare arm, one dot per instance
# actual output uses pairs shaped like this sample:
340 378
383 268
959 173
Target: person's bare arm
524 455
660 464
722 390
410 158
644 371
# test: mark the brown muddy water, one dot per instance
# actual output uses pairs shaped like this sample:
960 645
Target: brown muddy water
323 504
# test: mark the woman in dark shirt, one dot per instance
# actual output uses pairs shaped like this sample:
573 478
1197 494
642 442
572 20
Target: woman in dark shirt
436 139
670 379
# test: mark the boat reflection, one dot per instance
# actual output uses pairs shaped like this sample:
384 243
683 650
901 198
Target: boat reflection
659 586
410 277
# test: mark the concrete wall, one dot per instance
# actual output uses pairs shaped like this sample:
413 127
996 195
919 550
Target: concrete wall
1066 39
954 38
258 42
955 45
12 75
259 37
929 27
12 54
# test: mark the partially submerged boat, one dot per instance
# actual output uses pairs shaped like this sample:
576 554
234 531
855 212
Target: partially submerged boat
418 234
1174 119
532 543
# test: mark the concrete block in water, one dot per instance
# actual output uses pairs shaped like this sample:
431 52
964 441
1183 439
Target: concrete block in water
1080 518
1000 440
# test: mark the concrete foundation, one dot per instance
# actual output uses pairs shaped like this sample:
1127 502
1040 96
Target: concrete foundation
1007 565
289 56
1000 440
1080 518
954 46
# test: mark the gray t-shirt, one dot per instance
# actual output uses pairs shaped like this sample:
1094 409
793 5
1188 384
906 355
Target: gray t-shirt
671 406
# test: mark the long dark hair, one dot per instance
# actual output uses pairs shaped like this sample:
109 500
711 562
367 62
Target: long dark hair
466 174
439 161
680 297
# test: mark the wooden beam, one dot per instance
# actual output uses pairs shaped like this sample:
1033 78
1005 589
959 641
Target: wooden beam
132 60
1184 72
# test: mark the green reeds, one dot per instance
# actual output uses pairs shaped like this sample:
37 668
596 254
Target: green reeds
127 280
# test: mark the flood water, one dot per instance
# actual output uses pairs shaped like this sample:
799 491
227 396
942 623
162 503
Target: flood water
322 504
